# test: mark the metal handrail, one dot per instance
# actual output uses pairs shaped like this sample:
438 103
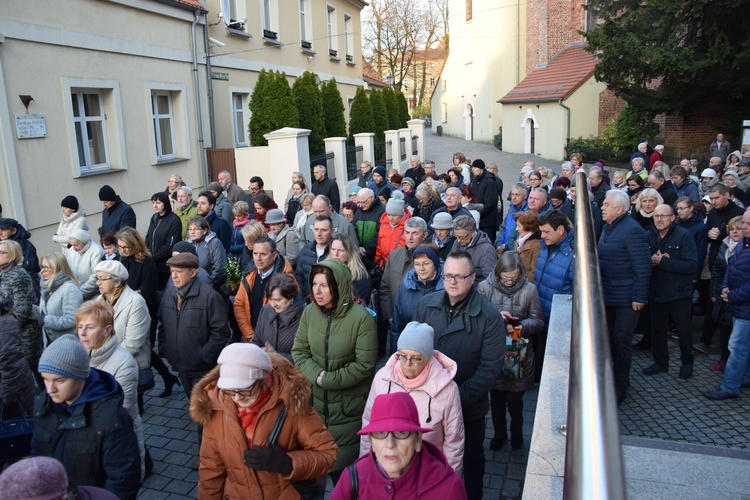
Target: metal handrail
593 456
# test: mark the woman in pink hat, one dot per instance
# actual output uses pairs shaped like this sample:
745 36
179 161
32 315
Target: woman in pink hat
400 463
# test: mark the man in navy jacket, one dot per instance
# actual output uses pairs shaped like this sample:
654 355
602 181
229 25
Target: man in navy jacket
674 259
625 266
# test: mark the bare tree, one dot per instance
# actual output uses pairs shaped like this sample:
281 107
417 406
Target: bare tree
395 30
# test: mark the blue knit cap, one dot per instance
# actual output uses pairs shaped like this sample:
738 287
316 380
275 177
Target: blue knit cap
66 357
429 252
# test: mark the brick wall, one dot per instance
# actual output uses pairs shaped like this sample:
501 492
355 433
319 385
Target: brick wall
551 26
609 108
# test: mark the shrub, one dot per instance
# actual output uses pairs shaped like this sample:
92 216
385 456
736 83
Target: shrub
403 109
333 108
360 116
271 106
379 114
626 132
309 104
391 106
498 139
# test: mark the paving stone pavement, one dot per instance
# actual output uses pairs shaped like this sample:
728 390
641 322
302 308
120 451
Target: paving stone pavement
666 407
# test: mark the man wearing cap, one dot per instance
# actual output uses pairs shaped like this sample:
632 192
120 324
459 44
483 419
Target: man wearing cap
379 181
469 330
391 232
326 186
251 296
233 192
11 229
484 187
79 420
367 224
365 174
206 203
193 324
321 205
186 208
116 214
222 208
415 170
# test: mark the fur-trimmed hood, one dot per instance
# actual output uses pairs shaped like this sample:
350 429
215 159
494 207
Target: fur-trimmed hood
287 384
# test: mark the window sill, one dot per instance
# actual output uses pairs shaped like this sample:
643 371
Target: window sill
334 58
271 41
100 171
167 161
351 63
307 51
239 33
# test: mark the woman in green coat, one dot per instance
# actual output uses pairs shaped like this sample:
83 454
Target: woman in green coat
336 348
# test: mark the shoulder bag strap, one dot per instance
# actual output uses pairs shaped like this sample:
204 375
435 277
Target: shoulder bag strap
354 480
246 286
277 427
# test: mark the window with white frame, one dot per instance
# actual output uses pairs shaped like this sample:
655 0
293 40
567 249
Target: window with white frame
332 31
163 125
348 38
89 121
93 114
445 112
305 24
239 121
269 17
237 18
169 124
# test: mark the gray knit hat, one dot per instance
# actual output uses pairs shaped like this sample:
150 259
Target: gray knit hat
66 357
417 337
395 207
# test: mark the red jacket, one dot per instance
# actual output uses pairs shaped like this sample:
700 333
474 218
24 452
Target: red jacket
389 238
428 476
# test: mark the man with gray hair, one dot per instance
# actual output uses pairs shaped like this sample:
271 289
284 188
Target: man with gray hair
625 266
232 191
475 243
665 187
186 208
641 153
599 186
321 205
517 197
326 186
415 170
398 263
452 206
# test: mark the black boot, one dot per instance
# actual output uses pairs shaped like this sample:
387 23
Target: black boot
169 382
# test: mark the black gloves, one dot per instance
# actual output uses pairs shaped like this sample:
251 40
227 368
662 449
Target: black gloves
273 459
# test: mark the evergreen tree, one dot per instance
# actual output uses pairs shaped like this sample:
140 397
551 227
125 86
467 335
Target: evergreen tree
403 109
379 114
333 107
271 106
391 106
360 116
309 104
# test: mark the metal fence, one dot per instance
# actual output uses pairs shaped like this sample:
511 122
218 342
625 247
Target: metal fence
383 154
353 161
402 147
415 146
325 159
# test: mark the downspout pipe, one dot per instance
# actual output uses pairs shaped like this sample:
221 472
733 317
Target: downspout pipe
567 109
198 107
210 86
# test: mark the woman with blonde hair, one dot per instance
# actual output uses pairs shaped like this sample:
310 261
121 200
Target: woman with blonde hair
345 249
645 204
241 211
251 232
61 297
301 217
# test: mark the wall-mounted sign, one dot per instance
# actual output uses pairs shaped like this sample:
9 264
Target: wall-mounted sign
30 126
219 76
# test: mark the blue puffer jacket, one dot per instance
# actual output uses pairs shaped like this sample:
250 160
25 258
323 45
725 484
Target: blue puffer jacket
409 293
695 226
737 279
624 262
672 279
688 188
554 272
509 223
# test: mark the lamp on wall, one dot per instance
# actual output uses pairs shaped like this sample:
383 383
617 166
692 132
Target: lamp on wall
389 80
26 100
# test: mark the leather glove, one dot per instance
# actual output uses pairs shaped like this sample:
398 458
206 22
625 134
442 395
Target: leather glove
273 459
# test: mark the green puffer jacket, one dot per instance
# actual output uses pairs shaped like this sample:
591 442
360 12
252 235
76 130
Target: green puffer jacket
343 344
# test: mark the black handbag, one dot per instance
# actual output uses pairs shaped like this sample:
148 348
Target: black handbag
15 434
309 489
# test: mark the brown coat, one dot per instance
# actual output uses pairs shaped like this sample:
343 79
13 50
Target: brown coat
528 254
223 473
242 301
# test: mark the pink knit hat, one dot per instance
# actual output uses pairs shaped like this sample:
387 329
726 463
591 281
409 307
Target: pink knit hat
241 365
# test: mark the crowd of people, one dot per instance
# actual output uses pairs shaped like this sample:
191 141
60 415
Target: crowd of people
272 317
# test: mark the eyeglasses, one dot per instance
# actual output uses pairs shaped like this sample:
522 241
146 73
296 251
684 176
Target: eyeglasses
510 281
243 394
423 264
662 216
680 209
45 268
412 360
456 277
396 435
102 280
124 247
